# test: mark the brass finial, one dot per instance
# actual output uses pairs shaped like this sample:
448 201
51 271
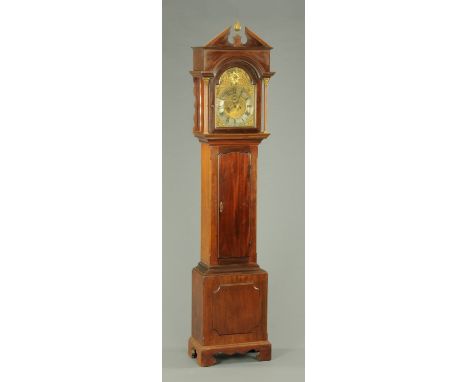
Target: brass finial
237 26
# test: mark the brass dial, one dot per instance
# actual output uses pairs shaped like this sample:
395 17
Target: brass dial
235 99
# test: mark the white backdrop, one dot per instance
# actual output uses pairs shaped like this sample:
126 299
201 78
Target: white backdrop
80 190
387 186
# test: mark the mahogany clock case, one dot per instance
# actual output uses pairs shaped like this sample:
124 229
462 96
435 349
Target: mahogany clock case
279 234
229 290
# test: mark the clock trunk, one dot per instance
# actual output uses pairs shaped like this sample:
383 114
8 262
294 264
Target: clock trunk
234 185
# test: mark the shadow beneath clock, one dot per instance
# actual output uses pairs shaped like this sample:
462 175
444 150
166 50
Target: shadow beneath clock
177 358
249 357
235 358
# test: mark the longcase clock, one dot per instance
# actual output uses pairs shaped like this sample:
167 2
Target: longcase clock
229 289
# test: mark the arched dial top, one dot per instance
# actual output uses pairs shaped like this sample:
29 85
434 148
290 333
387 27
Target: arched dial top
235 100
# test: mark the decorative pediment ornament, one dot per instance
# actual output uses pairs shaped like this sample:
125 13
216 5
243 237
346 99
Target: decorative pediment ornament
231 37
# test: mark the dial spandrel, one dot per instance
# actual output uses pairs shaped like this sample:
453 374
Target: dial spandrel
235 94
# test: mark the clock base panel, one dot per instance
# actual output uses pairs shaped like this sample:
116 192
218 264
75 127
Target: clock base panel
229 313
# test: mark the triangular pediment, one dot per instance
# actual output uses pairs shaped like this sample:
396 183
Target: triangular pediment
232 39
